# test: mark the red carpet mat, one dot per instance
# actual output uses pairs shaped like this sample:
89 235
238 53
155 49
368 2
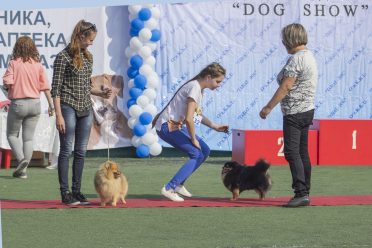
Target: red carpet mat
194 202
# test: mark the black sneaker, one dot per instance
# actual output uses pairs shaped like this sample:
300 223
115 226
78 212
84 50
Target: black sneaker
68 199
298 201
80 197
18 172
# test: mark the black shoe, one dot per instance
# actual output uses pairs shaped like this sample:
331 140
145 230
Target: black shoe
69 200
80 197
18 172
298 201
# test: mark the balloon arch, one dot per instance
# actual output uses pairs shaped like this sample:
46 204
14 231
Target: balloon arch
144 80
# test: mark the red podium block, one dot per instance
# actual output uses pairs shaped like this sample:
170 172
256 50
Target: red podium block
251 145
6 156
344 142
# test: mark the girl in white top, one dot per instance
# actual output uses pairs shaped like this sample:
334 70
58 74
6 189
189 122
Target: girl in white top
175 124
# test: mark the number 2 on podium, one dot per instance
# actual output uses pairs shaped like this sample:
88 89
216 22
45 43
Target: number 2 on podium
280 142
354 136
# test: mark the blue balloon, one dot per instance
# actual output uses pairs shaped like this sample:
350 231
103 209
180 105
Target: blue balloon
144 14
139 130
142 151
145 118
136 61
130 102
137 24
131 72
140 81
135 92
133 32
155 35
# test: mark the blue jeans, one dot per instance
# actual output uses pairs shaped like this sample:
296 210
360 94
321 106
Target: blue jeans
180 139
296 132
78 129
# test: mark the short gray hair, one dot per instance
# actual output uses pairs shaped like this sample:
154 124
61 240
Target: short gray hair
294 35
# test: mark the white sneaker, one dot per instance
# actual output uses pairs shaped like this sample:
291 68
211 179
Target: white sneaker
171 194
183 191
52 167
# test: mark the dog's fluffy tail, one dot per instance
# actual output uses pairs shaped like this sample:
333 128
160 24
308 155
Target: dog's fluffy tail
262 165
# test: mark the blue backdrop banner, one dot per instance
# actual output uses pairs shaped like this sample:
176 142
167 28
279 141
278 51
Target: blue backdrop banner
244 36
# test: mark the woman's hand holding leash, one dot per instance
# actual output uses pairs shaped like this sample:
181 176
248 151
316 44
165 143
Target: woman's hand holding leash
222 128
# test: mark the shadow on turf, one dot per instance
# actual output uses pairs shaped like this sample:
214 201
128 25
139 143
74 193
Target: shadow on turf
7 177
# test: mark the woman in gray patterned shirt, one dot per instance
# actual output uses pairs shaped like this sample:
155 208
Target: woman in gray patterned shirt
296 93
71 90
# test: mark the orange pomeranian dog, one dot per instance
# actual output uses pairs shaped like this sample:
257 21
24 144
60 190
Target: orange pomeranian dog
111 184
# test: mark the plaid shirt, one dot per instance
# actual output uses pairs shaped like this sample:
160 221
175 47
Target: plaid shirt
70 84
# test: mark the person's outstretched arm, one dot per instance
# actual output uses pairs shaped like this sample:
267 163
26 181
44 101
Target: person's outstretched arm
281 92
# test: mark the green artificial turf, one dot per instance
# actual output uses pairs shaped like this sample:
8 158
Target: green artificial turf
274 227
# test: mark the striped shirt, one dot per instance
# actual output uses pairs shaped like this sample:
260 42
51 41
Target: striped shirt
70 84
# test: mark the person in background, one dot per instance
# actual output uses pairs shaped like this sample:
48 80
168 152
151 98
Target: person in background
175 124
296 93
24 79
71 91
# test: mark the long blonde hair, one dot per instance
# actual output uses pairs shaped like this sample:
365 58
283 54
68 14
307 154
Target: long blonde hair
214 69
82 28
25 48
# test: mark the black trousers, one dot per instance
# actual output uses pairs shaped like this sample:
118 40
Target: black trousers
296 133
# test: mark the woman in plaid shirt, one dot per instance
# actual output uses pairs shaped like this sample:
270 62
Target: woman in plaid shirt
71 90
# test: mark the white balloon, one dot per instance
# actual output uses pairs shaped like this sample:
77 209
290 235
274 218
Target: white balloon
152 81
135 110
152 45
145 34
151 23
153 131
146 70
149 5
155 12
129 52
135 44
149 128
131 83
151 109
150 60
144 51
132 122
132 16
143 101
134 9
148 138
150 93
136 141
155 149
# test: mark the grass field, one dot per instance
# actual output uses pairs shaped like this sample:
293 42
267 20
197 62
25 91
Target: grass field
251 227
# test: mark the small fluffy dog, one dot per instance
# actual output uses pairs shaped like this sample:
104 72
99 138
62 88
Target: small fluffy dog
111 184
237 178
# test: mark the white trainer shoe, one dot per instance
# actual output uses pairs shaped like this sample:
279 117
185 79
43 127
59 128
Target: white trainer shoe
183 191
52 167
171 194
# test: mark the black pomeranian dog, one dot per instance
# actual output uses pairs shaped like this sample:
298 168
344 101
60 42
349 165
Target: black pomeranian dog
237 178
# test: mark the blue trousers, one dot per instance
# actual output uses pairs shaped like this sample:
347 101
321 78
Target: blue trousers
180 139
76 129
